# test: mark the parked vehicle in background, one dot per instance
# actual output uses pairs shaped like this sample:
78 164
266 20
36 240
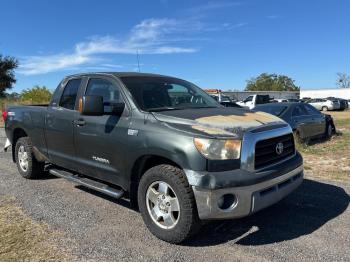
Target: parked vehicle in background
306 99
253 100
221 98
295 100
161 141
342 102
324 104
306 121
281 100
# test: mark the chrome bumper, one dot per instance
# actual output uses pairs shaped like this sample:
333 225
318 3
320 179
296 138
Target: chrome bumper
248 199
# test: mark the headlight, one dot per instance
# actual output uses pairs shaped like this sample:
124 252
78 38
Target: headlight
217 149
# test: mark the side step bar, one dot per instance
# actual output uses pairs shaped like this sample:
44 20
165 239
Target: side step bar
84 181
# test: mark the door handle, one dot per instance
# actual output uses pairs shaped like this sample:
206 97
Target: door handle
80 122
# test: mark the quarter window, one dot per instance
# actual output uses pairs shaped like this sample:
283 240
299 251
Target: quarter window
69 95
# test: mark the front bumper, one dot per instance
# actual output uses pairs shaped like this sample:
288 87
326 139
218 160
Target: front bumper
248 199
7 144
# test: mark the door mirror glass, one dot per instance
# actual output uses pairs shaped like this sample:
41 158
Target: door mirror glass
91 105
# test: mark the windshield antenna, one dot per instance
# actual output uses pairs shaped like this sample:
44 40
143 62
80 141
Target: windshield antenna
138 60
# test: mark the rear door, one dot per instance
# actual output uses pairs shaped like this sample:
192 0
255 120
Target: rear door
101 142
59 130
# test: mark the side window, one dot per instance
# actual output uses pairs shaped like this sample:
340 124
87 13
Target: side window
297 111
106 89
70 94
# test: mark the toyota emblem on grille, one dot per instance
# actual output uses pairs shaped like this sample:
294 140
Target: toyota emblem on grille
279 148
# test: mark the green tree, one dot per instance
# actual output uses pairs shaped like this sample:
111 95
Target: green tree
7 76
37 94
271 82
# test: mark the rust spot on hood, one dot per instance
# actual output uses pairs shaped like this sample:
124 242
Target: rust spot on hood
233 124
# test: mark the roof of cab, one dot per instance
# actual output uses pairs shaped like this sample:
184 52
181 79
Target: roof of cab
120 74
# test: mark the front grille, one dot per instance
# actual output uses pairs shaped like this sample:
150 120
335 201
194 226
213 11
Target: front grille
265 150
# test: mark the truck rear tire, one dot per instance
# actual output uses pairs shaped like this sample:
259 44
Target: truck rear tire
27 165
167 204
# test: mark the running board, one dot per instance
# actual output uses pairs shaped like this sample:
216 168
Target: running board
89 183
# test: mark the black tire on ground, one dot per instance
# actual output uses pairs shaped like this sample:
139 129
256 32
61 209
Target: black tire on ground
34 168
324 108
329 131
188 221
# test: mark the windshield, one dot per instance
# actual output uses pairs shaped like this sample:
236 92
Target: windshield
274 110
165 93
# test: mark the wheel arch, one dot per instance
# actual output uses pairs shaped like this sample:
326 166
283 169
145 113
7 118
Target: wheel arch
140 166
17 134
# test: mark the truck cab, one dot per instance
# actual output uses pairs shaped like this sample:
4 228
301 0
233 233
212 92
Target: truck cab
251 101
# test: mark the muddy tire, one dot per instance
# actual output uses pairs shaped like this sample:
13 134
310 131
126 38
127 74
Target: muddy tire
27 165
167 204
329 131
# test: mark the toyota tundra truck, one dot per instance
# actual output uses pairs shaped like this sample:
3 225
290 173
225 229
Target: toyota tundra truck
162 142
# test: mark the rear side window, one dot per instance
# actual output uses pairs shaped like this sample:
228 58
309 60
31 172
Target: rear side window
70 94
262 99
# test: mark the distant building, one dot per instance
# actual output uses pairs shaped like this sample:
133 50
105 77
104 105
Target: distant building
323 93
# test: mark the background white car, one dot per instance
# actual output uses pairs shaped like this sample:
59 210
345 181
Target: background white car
324 104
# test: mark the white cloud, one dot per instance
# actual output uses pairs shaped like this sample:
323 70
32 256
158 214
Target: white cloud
151 36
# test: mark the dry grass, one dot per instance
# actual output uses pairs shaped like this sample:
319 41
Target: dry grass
22 239
330 159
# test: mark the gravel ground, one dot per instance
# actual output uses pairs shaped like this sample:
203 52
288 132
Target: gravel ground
312 224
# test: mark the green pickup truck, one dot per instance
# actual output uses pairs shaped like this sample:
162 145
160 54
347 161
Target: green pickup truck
160 141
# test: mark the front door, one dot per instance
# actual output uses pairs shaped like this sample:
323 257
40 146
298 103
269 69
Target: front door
301 121
101 141
318 120
59 130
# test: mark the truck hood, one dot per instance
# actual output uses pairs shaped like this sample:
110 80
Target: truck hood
217 122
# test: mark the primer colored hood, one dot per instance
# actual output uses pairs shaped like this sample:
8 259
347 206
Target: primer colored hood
217 122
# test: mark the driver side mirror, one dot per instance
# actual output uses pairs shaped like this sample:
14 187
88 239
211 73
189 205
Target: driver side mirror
91 105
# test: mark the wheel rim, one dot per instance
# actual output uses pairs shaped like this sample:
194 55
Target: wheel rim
163 205
23 158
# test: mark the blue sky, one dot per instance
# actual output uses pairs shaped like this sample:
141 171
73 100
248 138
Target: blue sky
215 44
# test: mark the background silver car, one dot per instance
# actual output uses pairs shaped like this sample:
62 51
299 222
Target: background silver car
324 104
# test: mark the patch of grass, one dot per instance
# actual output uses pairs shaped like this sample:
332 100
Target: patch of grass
343 122
330 159
22 239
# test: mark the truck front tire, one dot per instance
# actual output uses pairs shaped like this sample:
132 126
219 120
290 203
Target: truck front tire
167 204
27 165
